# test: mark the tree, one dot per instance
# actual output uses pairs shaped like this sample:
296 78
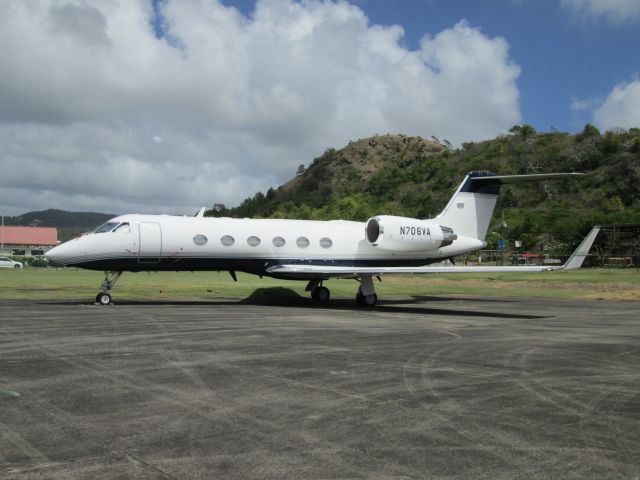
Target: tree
589 131
525 131
271 194
300 170
610 143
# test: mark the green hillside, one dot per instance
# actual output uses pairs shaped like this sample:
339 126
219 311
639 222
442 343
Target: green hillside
411 176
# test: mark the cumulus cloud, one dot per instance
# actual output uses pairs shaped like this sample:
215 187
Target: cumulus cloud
105 106
614 11
621 109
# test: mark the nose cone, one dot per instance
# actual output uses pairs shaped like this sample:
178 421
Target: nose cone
65 253
54 254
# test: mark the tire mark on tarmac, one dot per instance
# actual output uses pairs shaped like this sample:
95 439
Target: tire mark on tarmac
198 407
23 445
476 438
65 418
584 412
481 432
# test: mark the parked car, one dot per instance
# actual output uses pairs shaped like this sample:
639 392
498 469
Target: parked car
6 262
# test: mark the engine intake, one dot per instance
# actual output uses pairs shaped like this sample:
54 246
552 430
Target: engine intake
407 234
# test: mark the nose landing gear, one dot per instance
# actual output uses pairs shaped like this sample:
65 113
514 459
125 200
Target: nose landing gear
110 279
103 298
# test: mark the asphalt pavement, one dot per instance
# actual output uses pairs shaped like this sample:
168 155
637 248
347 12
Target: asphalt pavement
425 387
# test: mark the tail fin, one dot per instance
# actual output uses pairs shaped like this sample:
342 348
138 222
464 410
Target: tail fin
470 209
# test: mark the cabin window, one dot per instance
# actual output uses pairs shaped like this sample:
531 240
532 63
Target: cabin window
122 228
325 242
227 240
200 239
253 241
302 242
105 227
278 242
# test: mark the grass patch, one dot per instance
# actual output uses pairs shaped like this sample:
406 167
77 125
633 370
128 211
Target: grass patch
69 283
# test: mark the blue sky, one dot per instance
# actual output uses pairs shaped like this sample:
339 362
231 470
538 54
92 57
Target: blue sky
163 106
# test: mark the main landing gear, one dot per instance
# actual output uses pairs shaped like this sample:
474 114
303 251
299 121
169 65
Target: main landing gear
110 279
319 293
366 296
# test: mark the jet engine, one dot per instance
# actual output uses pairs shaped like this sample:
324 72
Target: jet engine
407 234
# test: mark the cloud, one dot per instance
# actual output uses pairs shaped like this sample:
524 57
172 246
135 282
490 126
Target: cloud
102 110
621 109
614 11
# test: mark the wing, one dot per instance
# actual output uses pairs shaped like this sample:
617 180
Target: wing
302 271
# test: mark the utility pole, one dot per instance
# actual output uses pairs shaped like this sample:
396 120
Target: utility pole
503 244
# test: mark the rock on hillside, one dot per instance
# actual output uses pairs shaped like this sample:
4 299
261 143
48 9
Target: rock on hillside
338 170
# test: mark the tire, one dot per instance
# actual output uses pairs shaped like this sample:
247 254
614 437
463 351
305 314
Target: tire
103 298
366 300
17 266
321 294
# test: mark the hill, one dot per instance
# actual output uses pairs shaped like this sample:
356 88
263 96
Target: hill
69 224
59 218
414 177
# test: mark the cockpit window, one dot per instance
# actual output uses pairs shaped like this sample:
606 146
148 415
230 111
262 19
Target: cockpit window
122 228
106 227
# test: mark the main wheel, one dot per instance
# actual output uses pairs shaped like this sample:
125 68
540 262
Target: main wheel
321 294
103 298
366 300
17 266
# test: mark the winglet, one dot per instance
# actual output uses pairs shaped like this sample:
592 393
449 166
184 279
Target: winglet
580 253
200 213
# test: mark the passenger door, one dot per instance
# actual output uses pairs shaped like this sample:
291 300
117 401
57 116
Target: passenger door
150 249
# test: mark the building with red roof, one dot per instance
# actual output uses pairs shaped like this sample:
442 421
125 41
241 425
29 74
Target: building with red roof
25 238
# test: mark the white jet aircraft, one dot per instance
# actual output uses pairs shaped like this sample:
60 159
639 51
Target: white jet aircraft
314 251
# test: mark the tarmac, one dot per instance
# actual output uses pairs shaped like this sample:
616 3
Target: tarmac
424 387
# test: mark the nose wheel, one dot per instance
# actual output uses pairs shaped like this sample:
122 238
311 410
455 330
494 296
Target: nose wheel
103 298
110 279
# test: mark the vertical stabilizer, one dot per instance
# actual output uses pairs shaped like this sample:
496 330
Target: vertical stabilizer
470 209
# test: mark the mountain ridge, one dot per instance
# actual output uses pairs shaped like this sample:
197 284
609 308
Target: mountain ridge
58 218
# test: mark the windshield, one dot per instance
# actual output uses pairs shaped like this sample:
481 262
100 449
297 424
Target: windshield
105 227
123 228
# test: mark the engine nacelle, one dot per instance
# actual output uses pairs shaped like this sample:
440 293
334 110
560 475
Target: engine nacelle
407 234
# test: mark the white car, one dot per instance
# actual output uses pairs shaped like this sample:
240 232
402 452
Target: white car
6 262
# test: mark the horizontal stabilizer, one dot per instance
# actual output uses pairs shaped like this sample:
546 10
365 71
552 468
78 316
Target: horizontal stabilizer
534 177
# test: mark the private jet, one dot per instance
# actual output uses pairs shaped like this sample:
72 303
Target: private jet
313 251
